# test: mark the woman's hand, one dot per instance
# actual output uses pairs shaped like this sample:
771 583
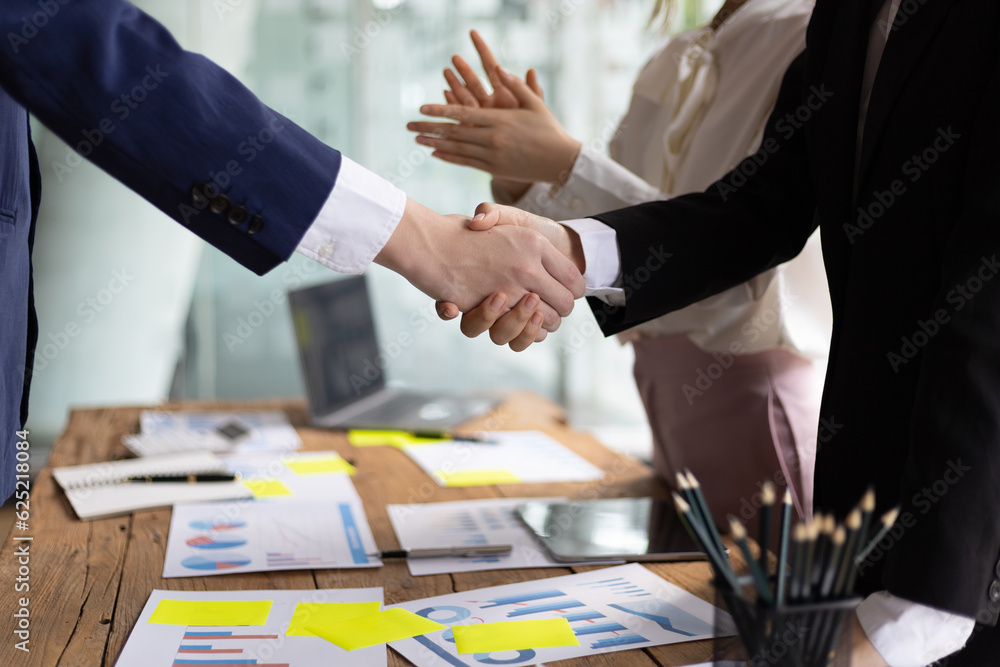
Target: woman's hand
523 144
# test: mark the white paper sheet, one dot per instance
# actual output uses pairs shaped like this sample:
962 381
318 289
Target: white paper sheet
164 432
529 456
468 523
153 645
316 528
612 609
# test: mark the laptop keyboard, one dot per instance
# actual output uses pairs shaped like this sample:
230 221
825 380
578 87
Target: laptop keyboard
395 408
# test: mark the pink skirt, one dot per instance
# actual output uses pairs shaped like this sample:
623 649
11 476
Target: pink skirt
733 420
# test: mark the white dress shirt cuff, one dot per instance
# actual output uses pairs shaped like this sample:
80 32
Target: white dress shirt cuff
600 250
357 219
908 634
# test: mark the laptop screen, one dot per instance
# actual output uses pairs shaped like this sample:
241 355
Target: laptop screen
337 345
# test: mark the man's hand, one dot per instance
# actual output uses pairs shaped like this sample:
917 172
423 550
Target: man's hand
516 326
863 653
450 262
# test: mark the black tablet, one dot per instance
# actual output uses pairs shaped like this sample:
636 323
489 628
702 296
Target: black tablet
630 529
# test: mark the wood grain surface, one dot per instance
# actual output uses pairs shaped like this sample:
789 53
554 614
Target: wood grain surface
90 580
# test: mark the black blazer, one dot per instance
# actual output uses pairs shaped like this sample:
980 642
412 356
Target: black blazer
912 398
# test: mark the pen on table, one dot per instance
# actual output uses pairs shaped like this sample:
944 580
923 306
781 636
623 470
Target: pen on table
446 552
445 435
190 479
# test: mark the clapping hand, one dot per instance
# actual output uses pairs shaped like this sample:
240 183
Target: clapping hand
509 133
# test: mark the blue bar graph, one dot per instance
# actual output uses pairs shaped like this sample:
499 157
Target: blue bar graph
551 606
583 616
526 597
619 641
598 629
358 553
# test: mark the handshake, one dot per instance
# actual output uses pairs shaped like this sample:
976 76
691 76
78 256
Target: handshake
510 272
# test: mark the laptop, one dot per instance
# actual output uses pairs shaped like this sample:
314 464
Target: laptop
345 383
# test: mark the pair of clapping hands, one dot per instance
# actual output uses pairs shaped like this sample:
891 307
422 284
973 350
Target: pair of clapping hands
511 134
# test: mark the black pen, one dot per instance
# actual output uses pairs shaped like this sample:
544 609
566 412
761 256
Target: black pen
438 434
189 479
446 552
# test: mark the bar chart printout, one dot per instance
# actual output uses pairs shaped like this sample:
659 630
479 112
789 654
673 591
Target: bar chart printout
609 610
158 645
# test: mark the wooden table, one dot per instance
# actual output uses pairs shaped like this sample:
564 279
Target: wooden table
89 580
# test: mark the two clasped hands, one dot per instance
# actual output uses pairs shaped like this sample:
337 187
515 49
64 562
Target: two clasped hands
533 264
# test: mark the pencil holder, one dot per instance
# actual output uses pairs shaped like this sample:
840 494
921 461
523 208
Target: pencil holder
807 635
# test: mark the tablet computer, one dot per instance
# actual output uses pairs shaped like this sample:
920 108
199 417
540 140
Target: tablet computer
630 529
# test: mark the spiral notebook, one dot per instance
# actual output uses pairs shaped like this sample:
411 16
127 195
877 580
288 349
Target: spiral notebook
97 490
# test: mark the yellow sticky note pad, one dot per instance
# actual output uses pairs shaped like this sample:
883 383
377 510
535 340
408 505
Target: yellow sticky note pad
326 614
478 477
372 629
325 464
266 488
211 612
514 635
398 439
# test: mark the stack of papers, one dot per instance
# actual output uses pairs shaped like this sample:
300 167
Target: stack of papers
166 432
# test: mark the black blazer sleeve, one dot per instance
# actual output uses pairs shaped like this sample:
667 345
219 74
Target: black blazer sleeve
679 251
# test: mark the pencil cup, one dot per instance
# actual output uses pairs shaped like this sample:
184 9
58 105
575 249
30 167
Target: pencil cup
807 635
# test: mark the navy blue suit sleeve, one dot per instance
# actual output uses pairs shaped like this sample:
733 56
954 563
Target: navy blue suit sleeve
114 84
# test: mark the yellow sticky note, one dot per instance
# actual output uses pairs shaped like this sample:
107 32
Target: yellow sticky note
398 439
372 629
266 488
478 477
211 612
325 464
514 635
325 615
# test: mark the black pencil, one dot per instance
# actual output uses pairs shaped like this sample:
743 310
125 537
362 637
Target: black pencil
798 556
825 526
867 509
719 561
830 570
710 528
888 519
768 497
739 533
812 535
783 534
853 524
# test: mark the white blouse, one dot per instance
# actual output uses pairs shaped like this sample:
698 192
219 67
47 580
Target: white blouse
698 108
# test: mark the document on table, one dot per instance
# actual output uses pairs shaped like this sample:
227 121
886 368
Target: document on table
468 523
513 457
245 627
259 430
319 524
611 609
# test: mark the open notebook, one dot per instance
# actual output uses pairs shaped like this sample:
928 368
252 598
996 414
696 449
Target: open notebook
96 490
